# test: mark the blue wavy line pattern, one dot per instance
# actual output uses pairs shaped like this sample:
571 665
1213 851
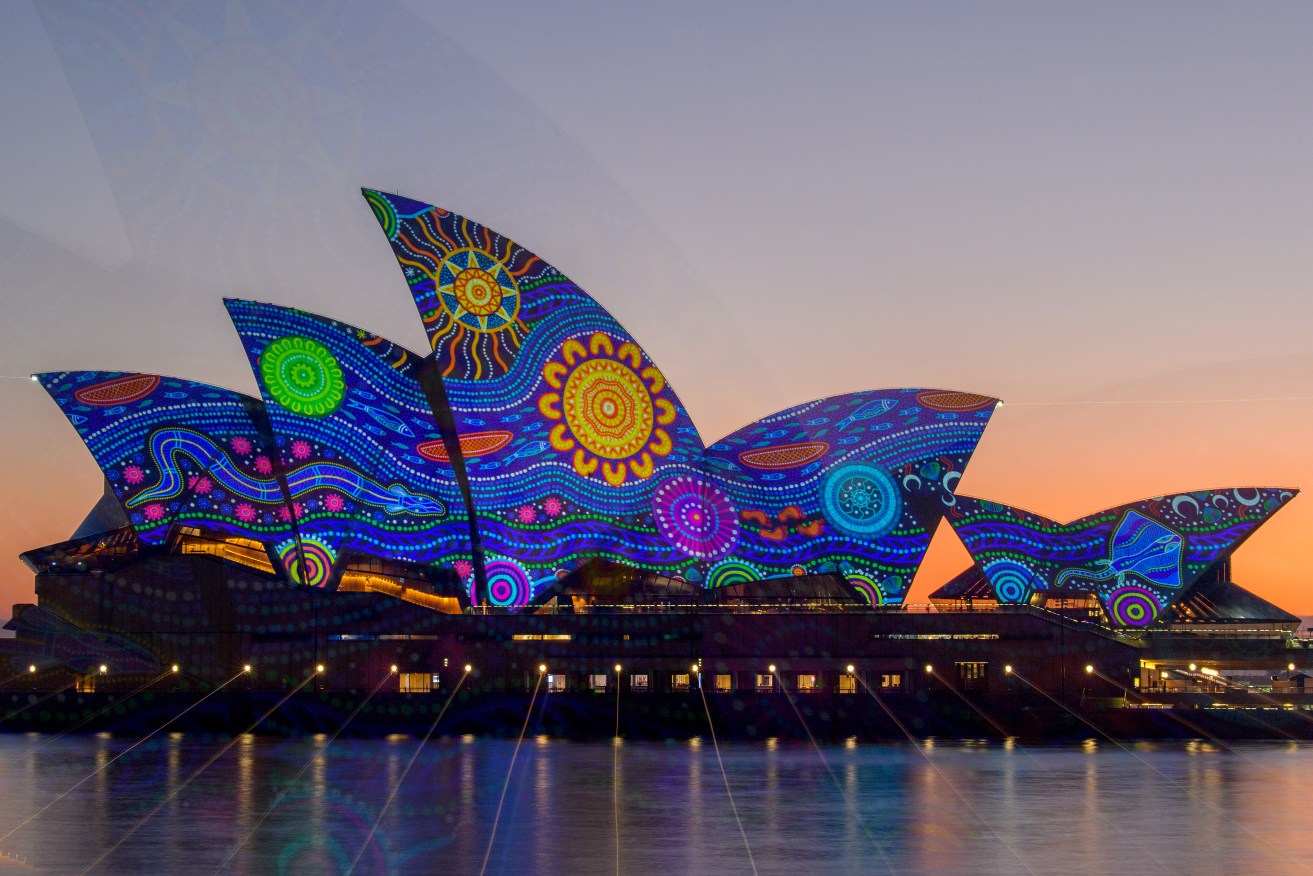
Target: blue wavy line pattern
161 488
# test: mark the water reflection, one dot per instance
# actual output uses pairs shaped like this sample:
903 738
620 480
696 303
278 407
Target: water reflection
950 808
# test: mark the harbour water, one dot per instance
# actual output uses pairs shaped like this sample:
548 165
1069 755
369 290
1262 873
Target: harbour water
308 805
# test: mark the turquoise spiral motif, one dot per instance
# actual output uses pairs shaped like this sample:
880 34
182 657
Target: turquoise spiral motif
862 500
1012 581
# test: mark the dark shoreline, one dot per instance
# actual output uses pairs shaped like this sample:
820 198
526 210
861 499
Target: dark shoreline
583 716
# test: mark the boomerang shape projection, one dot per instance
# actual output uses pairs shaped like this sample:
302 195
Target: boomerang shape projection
577 446
365 459
178 452
1137 558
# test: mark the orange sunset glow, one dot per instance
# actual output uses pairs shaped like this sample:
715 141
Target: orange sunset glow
1111 239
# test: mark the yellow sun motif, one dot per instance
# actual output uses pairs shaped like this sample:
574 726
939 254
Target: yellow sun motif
478 291
611 407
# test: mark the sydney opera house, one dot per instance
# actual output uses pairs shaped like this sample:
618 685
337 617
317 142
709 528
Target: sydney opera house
532 493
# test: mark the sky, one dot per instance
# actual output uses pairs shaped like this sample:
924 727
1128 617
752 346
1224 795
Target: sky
1100 213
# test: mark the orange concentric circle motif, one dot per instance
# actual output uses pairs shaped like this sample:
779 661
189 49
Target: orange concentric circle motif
478 291
608 409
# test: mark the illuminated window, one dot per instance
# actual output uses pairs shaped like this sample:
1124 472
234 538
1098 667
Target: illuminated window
556 683
415 682
85 683
638 682
891 680
680 681
847 684
597 682
971 675
807 683
724 683
765 682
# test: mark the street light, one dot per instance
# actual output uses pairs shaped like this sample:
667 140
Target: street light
1089 670
1007 670
771 668
929 668
319 668
246 668
851 670
175 667
103 669
469 668
542 667
394 667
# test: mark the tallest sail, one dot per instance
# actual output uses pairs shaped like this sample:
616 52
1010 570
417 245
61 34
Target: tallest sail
572 438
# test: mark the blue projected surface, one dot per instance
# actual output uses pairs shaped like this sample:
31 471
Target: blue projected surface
577 446
1137 558
177 452
568 429
853 484
565 442
364 458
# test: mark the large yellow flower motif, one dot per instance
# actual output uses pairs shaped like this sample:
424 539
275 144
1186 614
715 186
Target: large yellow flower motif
610 406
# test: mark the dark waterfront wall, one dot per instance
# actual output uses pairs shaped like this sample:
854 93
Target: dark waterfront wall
212 617
943 673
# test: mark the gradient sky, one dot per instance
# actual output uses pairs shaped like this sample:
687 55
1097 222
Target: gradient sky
1100 213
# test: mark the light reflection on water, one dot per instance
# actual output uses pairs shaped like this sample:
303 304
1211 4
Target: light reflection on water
949 807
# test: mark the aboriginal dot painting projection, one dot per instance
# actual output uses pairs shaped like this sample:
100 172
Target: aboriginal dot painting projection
365 461
178 452
564 442
1138 558
575 444
853 484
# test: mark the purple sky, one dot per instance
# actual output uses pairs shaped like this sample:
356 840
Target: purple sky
1105 207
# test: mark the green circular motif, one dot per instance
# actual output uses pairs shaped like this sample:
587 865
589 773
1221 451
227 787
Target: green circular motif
303 376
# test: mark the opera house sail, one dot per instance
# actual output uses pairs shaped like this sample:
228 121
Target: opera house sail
535 465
